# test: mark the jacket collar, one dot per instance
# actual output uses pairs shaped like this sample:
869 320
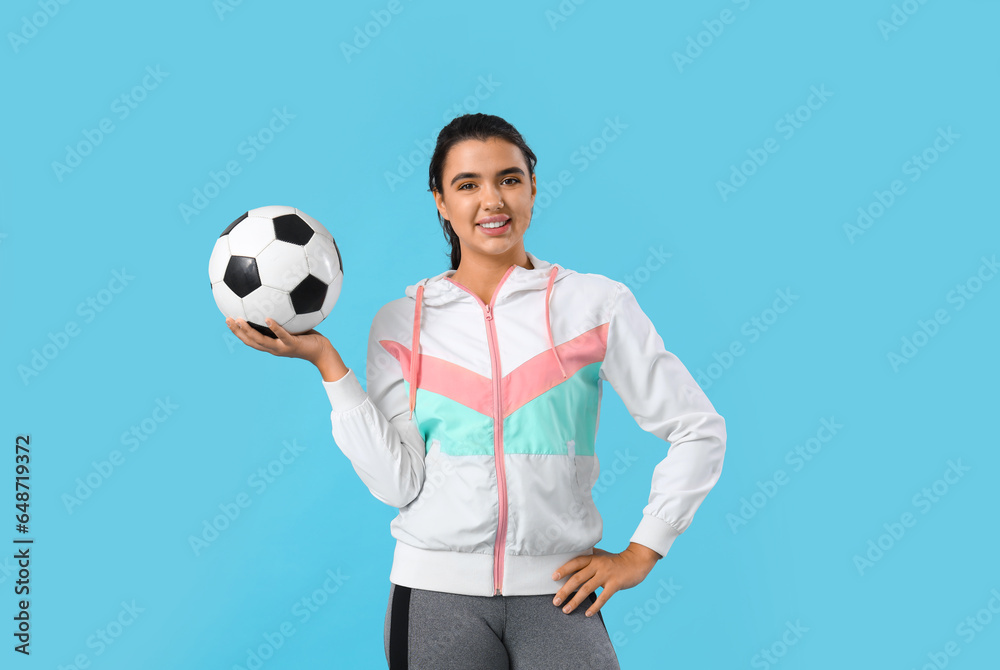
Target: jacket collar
438 291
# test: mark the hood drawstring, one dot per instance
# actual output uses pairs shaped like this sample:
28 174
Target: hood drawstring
548 323
414 350
414 356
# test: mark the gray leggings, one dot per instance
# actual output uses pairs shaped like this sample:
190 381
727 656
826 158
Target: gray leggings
432 630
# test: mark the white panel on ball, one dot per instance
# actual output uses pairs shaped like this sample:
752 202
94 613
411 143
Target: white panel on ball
303 322
229 303
271 211
323 260
332 293
282 265
266 302
219 260
250 236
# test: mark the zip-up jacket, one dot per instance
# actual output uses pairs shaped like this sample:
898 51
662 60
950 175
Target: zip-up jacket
480 419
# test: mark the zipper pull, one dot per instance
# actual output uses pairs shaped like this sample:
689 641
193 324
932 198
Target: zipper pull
489 313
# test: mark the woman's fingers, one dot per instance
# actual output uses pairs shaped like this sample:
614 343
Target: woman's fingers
250 336
278 330
286 343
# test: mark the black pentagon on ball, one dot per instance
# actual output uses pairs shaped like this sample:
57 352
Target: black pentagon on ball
309 295
290 228
232 225
263 330
241 275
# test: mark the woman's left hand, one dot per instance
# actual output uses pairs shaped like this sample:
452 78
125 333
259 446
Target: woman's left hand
612 571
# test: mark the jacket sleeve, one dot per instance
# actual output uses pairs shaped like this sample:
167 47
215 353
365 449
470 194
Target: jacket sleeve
665 400
374 430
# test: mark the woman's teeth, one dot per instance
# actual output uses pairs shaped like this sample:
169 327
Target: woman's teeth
494 225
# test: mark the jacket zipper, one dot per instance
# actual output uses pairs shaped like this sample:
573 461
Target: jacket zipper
499 546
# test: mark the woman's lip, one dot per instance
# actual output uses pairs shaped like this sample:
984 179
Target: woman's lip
494 219
497 230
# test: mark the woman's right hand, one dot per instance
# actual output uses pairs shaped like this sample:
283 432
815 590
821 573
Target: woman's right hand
310 345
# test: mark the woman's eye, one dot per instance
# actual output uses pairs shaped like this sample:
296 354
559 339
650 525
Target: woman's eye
469 183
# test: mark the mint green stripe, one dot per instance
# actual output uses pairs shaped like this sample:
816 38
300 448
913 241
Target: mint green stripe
568 411
460 430
544 425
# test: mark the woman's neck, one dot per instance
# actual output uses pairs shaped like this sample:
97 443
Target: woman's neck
482 279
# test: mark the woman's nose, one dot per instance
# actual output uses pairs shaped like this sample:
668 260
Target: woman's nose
491 198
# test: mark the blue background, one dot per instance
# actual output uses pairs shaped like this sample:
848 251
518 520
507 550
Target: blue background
743 577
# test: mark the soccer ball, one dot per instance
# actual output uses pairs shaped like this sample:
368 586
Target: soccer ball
276 262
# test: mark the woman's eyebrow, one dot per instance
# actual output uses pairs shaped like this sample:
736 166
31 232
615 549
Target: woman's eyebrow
476 175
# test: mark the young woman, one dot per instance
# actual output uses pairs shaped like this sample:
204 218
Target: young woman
479 424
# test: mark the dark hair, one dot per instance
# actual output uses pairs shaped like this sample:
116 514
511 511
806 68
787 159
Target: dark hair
471 127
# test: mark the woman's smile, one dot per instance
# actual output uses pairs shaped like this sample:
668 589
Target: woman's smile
498 228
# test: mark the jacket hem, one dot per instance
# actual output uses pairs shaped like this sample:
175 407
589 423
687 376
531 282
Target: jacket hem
655 533
471 574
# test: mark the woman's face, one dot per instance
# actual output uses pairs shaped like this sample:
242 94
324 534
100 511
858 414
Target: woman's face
477 176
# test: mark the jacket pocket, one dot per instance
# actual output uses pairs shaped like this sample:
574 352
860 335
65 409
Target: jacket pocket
433 452
584 469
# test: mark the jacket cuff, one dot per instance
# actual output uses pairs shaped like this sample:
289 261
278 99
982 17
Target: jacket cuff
655 533
345 393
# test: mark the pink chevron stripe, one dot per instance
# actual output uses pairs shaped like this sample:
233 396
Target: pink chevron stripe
522 385
541 373
446 378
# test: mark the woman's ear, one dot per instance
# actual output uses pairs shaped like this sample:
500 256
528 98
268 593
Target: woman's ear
439 202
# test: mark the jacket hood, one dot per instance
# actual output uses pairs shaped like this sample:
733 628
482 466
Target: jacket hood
438 290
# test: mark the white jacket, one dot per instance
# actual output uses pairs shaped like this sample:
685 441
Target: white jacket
490 506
